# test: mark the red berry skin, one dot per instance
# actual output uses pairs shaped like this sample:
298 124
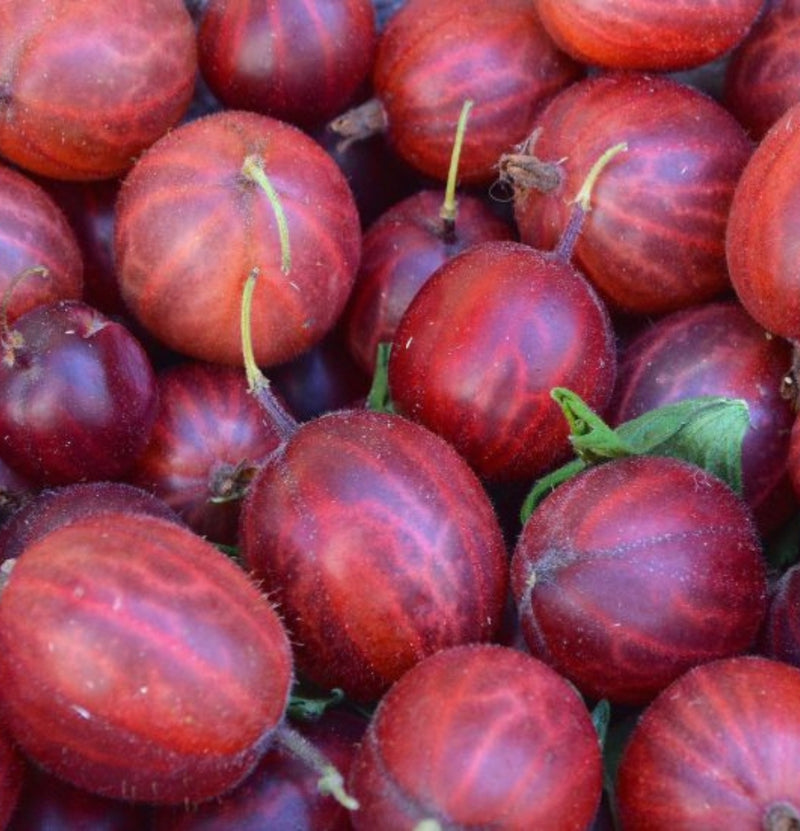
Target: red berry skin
208 437
74 110
654 240
762 77
283 790
479 736
34 232
190 227
762 226
479 348
435 54
718 749
379 546
138 661
718 349
298 60
78 396
400 251
647 35
634 571
780 636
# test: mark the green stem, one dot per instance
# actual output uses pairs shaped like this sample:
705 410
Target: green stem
257 382
253 168
450 206
582 204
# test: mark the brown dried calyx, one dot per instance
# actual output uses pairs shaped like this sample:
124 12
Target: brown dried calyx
522 170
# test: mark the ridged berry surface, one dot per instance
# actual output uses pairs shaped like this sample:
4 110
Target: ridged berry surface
139 662
87 86
298 60
78 395
478 736
482 344
208 437
762 78
718 349
435 54
720 748
34 232
647 34
379 546
634 571
761 233
654 240
401 250
190 228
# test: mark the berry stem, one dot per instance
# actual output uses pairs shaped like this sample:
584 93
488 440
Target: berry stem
450 206
582 204
257 382
331 780
253 169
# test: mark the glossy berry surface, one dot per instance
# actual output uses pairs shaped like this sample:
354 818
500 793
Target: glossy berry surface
654 240
138 661
407 243
34 234
208 438
718 749
718 349
761 229
77 395
647 35
484 341
763 73
298 60
191 226
378 544
86 86
634 571
478 736
435 54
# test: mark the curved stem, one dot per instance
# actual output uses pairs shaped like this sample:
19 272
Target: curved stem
257 382
41 270
450 206
582 203
781 816
253 169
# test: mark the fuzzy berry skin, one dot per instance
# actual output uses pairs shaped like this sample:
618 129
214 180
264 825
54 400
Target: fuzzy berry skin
479 736
760 240
636 570
378 544
138 661
191 227
654 240
435 54
647 35
482 344
719 748
78 395
87 86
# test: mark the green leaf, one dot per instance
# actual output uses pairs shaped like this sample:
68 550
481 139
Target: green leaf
379 398
707 431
